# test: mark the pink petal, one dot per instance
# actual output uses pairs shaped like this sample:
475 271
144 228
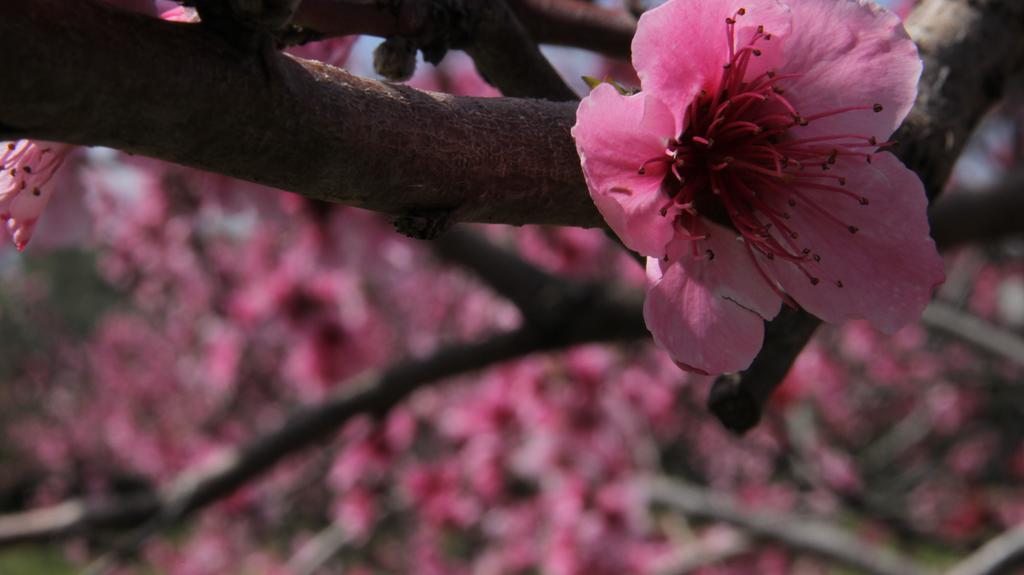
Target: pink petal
615 136
722 260
849 53
681 46
708 310
888 268
698 327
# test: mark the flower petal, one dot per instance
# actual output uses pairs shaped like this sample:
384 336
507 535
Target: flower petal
680 47
708 309
615 135
887 267
849 53
698 327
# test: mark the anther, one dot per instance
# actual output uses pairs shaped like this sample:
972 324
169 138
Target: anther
853 229
28 169
842 181
791 202
869 158
741 11
833 155
873 141
805 251
839 283
815 281
36 192
710 254
863 201
877 108
816 257
10 146
730 21
770 73
756 52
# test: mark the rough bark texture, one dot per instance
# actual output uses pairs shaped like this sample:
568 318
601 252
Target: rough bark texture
179 93
971 49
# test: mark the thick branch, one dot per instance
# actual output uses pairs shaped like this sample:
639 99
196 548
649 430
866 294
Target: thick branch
797 533
971 49
95 76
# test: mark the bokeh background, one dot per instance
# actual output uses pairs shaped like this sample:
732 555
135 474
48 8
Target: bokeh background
162 315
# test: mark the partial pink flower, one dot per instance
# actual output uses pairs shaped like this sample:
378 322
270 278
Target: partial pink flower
26 184
752 170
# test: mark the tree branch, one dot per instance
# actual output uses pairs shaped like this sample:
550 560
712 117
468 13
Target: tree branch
800 534
975 330
99 76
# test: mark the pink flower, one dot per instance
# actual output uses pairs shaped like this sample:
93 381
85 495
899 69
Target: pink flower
750 171
26 184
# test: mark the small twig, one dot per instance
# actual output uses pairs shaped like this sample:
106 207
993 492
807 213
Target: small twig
801 534
561 22
738 400
507 57
488 30
995 557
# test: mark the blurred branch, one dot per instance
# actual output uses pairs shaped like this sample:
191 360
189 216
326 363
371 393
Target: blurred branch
695 554
320 549
983 215
581 314
797 533
975 330
534 291
997 556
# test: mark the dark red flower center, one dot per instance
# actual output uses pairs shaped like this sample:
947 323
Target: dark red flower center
741 164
